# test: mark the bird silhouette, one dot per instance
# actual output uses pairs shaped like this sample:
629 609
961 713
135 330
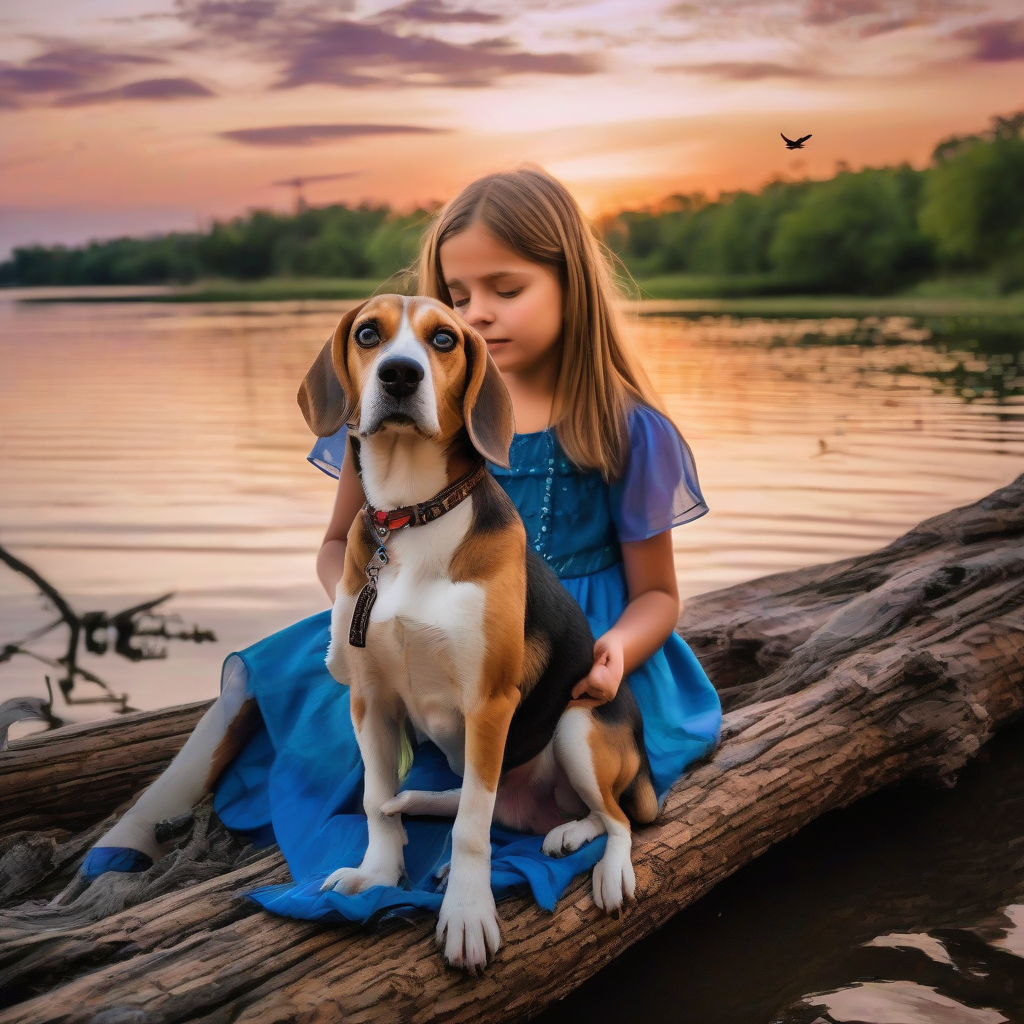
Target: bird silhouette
798 144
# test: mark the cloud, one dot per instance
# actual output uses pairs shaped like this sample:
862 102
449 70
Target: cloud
828 12
995 40
312 134
752 71
238 19
437 13
147 89
879 28
64 68
312 45
354 53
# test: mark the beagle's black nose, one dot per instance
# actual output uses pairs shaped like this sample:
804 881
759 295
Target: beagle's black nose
400 376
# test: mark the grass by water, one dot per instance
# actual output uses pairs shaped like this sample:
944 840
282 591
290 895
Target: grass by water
681 293
817 306
271 289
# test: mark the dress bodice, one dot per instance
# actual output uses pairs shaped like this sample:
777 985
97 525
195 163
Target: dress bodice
566 512
575 520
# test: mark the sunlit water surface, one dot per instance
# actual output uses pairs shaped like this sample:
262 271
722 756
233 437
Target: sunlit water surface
149 448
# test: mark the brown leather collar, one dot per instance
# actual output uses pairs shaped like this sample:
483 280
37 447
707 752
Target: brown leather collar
384 521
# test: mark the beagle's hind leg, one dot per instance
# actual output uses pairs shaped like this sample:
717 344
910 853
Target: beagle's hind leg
597 763
443 804
214 742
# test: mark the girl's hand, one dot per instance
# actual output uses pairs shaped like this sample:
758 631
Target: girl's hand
602 682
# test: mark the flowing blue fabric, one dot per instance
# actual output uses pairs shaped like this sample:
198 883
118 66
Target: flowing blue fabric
300 777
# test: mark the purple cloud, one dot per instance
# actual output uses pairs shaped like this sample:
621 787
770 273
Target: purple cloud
314 46
996 40
148 89
741 71
312 134
437 13
354 53
227 18
828 12
879 28
64 68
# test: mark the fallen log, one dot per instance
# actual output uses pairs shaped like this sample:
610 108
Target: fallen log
71 777
837 680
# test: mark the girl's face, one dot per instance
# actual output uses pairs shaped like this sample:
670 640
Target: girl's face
514 303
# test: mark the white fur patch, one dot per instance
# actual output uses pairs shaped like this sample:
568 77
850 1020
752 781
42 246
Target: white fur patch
421 406
425 643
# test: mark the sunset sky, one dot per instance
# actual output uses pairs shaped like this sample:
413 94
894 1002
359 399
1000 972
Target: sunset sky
129 116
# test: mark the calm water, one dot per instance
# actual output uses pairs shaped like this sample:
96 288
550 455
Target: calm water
146 448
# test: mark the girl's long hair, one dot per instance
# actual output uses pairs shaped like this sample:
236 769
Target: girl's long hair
599 381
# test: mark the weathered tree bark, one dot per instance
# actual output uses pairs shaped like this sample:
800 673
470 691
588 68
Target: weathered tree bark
837 680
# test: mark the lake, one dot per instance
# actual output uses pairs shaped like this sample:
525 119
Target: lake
148 448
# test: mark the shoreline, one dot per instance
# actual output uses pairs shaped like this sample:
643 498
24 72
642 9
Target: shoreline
346 290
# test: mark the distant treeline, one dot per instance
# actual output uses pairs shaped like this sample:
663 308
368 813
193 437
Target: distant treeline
330 241
865 231
874 230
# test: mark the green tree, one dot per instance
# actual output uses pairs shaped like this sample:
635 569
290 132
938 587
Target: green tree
973 201
856 232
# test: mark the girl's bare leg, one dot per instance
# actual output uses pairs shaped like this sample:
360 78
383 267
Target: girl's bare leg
191 775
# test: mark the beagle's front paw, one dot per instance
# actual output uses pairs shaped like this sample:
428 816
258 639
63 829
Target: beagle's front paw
348 881
614 882
468 925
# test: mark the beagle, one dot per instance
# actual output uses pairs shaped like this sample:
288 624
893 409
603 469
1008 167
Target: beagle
448 625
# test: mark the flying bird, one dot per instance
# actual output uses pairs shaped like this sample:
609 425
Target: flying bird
798 144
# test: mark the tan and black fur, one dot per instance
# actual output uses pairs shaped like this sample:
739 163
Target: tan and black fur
473 642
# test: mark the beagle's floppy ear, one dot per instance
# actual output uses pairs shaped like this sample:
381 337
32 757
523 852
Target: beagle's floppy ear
326 395
486 406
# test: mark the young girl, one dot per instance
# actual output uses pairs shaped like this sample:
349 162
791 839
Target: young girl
600 477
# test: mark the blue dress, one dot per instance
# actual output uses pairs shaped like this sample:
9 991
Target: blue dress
299 779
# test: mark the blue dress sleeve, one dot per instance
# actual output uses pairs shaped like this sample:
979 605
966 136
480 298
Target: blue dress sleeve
659 489
329 452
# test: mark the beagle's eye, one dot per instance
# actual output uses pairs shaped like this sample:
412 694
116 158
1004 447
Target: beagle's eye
444 341
367 336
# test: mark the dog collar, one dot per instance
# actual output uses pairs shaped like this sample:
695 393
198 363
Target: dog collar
386 521
383 522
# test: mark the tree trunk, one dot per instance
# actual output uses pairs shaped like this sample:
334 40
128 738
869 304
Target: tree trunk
73 776
837 680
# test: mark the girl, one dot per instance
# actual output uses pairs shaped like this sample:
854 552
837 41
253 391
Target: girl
600 477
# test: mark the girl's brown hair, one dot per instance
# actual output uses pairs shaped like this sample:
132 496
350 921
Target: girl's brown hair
599 380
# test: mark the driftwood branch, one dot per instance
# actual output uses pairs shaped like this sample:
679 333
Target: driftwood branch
140 622
837 680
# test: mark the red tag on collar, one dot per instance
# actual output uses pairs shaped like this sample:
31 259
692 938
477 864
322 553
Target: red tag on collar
381 517
397 522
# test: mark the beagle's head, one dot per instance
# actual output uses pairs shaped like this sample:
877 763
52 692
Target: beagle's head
409 364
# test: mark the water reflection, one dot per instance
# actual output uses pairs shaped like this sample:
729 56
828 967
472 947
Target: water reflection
899 1002
971 358
1012 940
